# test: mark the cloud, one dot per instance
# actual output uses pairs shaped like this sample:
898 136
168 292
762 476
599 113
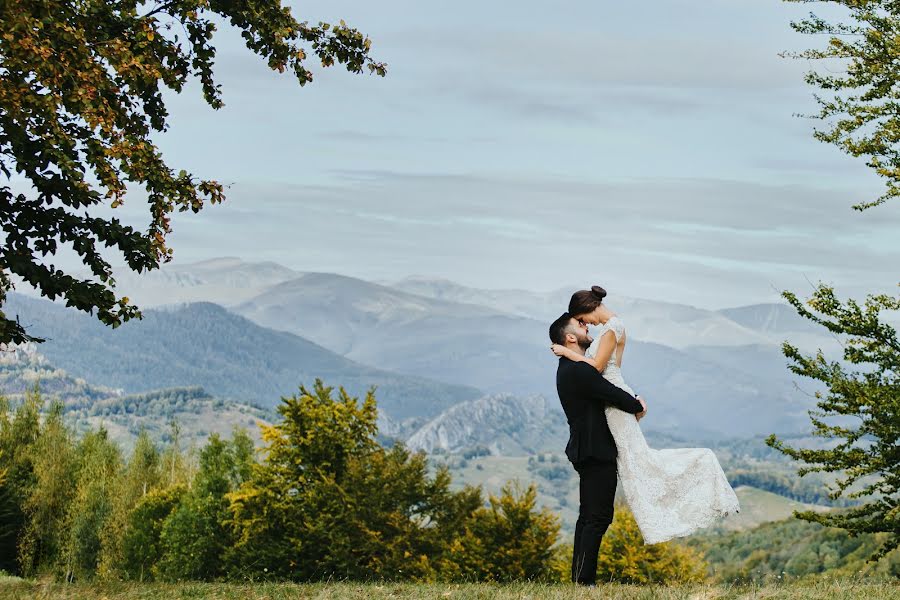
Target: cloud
704 242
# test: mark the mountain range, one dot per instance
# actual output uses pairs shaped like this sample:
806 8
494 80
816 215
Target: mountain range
203 344
430 345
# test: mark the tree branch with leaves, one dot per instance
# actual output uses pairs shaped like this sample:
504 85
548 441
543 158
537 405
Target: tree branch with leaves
861 104
81 93
859 414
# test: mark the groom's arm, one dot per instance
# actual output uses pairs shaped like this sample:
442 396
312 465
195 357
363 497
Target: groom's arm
600 390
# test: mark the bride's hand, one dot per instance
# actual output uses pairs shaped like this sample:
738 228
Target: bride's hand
558 349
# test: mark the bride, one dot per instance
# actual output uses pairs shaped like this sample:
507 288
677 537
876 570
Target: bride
672 492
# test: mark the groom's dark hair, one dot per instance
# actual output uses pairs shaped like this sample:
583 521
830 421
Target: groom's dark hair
559 328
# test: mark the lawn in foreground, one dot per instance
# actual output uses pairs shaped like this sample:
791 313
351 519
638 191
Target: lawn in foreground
13 588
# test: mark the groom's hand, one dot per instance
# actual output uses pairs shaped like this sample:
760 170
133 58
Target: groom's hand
641 414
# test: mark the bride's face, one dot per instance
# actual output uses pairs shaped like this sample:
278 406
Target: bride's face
591 318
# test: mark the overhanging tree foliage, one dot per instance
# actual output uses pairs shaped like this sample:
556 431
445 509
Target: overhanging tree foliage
863 117
860 103
81 92
865 450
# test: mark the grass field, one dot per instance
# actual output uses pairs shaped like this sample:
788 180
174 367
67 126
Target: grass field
15 589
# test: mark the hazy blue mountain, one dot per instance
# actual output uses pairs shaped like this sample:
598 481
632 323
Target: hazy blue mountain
411 334
229 356
670 324
540 305
225 281
230 281
442 333
771 318
781 323
758 361
509 354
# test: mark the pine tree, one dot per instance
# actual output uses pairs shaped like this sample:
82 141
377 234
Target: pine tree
866 448
860 106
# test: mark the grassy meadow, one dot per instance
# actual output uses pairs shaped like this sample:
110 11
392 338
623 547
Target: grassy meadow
16 589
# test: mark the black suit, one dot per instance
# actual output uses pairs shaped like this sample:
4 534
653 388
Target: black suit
584 395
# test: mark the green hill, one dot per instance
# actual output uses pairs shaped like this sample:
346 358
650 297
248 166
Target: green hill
794 548
196 413
89 406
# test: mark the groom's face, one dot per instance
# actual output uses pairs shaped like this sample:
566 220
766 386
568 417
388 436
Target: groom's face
579 329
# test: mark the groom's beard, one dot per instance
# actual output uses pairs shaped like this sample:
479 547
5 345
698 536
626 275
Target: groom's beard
584 342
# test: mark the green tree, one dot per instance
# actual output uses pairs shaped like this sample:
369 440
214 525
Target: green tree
46 505
140 476
866 448
624 557
507 541
98 470
328 501
861 109
195 536
860 104
142 546
19 430
81 97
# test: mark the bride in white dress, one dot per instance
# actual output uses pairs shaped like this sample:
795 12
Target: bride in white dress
672 492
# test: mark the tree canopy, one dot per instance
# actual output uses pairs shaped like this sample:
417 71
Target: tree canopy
858 414
864 449
81 93
859 103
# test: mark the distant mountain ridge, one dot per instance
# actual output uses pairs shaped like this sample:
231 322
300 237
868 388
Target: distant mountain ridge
502 353
503 424
410 334
675 325
231 357
225 281
230 281
707 373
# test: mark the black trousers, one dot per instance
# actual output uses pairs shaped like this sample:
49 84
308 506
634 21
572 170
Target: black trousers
597 493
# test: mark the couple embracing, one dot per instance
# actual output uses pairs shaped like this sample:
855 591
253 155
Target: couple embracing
672 492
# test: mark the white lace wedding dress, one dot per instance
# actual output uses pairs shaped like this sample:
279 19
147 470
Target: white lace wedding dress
672 492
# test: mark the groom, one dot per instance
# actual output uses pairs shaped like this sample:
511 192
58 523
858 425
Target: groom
584 394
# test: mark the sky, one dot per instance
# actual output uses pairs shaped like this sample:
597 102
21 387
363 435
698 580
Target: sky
653 149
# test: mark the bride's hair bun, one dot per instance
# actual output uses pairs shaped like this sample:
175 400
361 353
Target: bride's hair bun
585 301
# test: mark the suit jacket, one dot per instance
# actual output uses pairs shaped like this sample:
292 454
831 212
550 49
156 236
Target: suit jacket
584 394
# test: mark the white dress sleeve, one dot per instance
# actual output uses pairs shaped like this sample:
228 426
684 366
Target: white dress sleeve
616 325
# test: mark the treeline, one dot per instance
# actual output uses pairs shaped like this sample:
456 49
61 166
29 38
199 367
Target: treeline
794 549
325 501
163 404
808 489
